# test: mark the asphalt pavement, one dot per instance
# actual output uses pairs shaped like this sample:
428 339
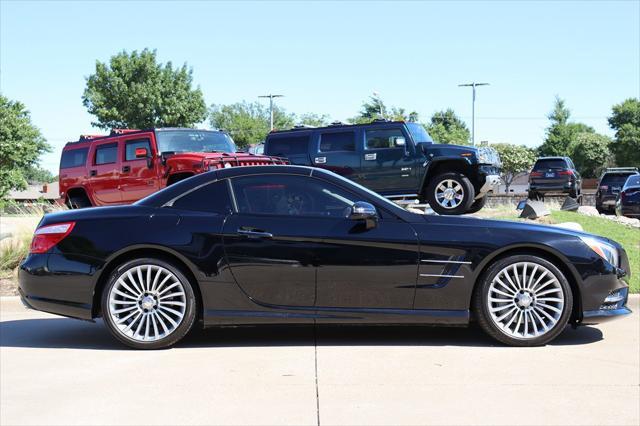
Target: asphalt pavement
55 370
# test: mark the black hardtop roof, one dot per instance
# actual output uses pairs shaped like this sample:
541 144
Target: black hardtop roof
335 125
124 132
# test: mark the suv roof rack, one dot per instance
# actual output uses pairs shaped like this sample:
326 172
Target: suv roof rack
621 169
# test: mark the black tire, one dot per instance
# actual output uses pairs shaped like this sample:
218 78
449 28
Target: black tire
467 192
78 202
489 325
478 204
183 327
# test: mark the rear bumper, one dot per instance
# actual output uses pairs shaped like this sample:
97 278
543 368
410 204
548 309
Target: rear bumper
68 293
630 211
555 187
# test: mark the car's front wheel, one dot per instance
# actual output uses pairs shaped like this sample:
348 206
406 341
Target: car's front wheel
523 300
148 304
450 193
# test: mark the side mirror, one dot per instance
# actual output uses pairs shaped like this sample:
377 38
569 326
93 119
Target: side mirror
401 141
362 210
141 153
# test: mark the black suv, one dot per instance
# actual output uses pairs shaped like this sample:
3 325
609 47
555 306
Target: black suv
397 160
609 185
554 175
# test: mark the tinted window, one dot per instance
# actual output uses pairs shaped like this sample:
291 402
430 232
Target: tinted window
131 146
614 178
343 141
552 163
211 198
288 195
287 145
419 133
107 153
385 138
633 181
74 158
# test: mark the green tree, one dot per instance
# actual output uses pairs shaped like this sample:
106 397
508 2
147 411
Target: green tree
135 91
446 127
590 153
248 123
561 132
21 144
311 119
375 108
36 174
625 120
515 159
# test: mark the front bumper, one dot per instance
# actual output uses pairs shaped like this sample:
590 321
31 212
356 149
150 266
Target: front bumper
490 183
614 306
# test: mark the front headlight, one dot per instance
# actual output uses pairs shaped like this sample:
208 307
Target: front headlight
603 249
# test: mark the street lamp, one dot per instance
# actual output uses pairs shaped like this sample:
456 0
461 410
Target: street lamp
270 96
473 108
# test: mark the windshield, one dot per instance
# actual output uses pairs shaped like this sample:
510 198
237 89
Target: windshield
633 181
194 141
418 133
550 163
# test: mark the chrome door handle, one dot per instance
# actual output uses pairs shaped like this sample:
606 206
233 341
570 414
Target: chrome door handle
254 233
320 160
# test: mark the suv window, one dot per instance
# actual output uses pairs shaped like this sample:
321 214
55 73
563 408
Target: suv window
131 146
74 158
106 154
287 145
211 198
615 178
634 180
384 138
288 195
342 141
551 163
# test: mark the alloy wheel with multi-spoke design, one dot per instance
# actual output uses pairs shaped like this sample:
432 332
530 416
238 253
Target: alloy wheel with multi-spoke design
147 303
525 300
449 193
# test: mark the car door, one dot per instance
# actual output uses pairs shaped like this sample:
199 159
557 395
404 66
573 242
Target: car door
335 150
272 239
388 161
362 268
104 179
138 175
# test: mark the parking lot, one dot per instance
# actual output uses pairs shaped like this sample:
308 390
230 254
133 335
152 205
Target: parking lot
61 371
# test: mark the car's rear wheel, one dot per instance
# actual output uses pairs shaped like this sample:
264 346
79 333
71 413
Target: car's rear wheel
148 304
450 193
478 204
523 300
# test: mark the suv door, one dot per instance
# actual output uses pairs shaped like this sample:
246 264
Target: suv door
389 162
104 179
336 150
138 176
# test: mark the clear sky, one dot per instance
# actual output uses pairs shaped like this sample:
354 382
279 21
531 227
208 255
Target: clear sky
327 57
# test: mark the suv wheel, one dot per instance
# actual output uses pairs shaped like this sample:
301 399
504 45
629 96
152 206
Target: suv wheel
148 304
450 193
523 300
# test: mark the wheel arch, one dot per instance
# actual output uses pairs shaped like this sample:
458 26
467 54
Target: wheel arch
78 190
443 165
139 251
178 176
545 252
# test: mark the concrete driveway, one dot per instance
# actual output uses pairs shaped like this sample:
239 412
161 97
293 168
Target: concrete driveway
60 371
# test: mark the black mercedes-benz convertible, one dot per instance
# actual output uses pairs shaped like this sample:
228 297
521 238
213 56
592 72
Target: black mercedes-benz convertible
288 244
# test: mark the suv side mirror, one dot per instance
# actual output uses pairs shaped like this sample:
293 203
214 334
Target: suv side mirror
401 141
361 210
141 153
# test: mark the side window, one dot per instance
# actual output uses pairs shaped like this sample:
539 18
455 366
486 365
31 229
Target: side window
106 154
384 138
287 145
342 141
288 195
211 198
74 158
131 146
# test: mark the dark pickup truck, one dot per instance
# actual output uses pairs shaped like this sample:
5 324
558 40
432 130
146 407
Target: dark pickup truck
395 159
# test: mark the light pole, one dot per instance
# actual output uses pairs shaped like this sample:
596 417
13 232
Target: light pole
473 108
270 96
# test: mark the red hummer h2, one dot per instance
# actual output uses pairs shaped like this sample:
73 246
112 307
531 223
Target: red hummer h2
128 165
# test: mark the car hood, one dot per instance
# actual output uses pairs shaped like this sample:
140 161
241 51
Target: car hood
198 156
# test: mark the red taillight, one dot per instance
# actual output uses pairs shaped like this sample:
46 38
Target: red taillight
48 236
565 173
536 174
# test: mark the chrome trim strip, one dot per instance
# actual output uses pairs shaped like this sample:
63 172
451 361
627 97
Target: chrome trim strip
464 262
442 276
